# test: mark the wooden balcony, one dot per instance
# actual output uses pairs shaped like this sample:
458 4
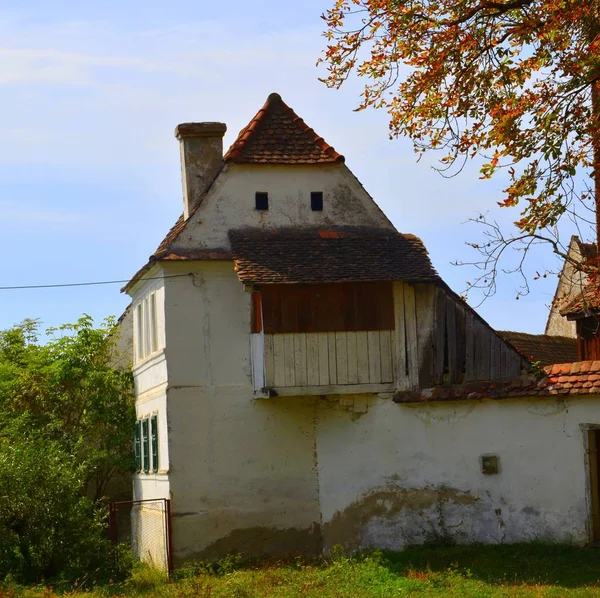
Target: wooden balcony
321 363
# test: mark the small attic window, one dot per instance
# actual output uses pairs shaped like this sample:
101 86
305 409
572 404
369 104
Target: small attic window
261 200
316 201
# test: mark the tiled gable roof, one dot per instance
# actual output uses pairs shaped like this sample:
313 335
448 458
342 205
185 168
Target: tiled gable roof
544 348
317 256
566 379
586 301
277 135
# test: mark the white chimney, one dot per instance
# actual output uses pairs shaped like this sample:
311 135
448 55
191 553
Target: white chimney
201 147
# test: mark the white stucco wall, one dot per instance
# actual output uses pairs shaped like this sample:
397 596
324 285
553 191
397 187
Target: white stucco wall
230 202
403 474
243 475
150 378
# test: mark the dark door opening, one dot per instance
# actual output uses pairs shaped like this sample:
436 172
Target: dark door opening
594 476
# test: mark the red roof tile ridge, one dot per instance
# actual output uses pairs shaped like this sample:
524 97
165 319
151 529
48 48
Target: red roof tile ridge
234 153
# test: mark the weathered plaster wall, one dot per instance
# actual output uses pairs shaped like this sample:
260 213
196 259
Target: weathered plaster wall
150 377
402 474
123 335
243 475
230 202
570 282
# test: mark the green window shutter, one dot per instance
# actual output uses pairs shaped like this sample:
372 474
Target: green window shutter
154 440
145 446
137 445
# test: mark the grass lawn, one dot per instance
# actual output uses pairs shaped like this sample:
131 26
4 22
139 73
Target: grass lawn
517 570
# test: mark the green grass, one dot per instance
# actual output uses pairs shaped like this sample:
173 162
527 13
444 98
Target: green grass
469 571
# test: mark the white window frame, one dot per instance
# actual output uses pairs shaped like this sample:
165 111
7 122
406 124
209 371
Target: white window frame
146 327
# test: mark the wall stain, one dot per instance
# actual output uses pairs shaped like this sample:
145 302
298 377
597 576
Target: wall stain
347 526
263 541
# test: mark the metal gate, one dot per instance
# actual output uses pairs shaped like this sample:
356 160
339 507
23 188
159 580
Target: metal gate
145 526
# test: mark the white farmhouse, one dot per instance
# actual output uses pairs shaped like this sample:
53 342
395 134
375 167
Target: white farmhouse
304 378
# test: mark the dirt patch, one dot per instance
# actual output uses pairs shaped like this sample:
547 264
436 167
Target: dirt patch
346 527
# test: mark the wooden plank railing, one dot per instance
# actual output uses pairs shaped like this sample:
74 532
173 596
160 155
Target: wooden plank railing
329 358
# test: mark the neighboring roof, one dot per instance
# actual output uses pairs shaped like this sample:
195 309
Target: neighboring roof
542 347
277 135
571 304
313 256
588 301
588 250
567 379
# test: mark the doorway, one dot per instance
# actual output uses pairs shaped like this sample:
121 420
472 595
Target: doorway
593 442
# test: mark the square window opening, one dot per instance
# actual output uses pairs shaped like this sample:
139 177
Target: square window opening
262 200
316 201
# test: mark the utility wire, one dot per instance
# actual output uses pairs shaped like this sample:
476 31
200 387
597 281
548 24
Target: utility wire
86 284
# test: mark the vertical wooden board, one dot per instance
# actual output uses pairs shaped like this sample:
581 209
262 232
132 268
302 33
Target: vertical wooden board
289 362
374 357
400 338
460 324
352 357
425 313
289 308
484 352
269 369
341 354
412 349
257 345
503 361
362 357
279 359
312 359
514 365
439 338
300 359
324 376
332 358
385 347
496 357
452 340
469 346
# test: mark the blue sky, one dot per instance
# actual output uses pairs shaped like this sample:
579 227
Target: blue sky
89 167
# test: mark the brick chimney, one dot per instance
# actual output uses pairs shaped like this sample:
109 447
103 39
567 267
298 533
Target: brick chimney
201 147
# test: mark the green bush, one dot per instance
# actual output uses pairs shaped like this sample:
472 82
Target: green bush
48 527
66 417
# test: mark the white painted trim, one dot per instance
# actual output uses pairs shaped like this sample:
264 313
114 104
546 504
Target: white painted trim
257 352
335 389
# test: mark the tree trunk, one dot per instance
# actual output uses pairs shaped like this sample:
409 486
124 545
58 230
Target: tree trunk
593 33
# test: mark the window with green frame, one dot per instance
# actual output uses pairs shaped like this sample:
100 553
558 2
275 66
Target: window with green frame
137 445
154 442
146 445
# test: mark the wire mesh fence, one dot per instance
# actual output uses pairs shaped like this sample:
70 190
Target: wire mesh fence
144 526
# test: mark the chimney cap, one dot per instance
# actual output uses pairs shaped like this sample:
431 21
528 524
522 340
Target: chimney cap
212 129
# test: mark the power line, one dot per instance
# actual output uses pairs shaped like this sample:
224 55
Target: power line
86 284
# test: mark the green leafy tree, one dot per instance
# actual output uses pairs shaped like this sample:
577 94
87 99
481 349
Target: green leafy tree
66 416
516 82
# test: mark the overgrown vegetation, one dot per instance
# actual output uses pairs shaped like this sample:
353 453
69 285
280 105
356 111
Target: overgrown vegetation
518 570
66 418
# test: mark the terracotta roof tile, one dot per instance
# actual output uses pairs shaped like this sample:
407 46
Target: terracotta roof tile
277 135
308 256
559 379
542 347
586 301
